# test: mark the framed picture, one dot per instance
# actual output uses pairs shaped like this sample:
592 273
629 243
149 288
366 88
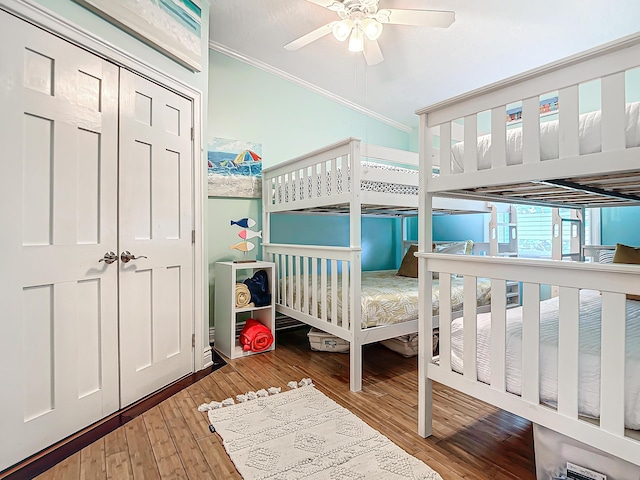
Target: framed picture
234 168
548 106
171 26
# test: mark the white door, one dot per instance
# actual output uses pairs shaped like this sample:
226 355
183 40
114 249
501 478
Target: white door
156 220
58 217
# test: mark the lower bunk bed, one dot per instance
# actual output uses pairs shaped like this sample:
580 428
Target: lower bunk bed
314 281
589 364
569 364
554 362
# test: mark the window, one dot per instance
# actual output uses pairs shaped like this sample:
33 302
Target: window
535 230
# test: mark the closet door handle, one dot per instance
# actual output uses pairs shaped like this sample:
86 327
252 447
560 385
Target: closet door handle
126 256
109 258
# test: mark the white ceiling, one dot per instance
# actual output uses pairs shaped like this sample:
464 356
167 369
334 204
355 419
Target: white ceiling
490 40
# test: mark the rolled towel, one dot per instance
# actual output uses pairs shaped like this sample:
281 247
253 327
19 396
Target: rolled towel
255 336
243 295
259 287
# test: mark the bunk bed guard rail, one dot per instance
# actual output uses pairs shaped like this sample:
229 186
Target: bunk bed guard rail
313 283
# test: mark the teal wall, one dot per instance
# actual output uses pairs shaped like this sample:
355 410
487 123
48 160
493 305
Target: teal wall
247 103
456 228
620 225
459 228
381 236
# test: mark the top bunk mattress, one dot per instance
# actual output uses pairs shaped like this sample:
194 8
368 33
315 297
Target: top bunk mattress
590 140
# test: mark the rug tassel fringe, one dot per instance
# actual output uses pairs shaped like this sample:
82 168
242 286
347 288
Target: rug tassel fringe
245 397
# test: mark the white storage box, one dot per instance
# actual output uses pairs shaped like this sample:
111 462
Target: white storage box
407 345
325 342
553 450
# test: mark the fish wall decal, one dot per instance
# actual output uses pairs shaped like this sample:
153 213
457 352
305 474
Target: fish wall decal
248 234
244 222
243 246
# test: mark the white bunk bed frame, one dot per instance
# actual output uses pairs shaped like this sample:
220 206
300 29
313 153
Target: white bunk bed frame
600 181
576 235
341 195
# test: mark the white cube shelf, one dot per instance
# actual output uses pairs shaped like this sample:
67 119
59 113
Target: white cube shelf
227 315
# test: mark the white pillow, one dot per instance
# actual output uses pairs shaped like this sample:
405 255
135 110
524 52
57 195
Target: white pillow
605 256
456 248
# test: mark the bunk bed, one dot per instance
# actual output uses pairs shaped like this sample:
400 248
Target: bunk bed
501 233
603 175
322 286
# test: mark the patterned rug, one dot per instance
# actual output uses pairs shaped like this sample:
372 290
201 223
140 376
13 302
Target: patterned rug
303 434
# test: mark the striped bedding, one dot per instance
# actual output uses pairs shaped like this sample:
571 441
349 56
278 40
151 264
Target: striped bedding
589 363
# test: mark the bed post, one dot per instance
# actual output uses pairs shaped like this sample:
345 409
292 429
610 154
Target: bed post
493 231
425 320
266 218
355 240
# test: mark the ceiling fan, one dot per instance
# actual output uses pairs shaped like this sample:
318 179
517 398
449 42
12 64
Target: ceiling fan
361 21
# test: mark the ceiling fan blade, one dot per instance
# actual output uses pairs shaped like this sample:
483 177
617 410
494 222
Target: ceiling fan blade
309 37
372 52
420 18
330 4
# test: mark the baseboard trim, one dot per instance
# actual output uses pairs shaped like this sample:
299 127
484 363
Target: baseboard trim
47 458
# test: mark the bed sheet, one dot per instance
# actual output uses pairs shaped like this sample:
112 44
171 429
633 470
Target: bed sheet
590 139
589 357
387 298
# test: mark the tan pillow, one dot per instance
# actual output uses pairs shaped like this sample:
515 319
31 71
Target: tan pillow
409 265
627 254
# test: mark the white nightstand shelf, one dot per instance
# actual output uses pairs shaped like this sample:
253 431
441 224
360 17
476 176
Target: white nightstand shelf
227 316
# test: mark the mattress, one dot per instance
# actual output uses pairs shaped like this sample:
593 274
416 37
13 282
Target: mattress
388 299
589 357
306 189
590 140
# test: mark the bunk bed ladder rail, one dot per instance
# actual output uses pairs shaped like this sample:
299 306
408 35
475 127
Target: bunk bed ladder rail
609 433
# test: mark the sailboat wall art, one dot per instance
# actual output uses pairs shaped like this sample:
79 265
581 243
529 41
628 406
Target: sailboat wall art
234 168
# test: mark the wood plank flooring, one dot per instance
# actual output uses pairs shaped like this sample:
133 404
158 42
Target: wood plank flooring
471 440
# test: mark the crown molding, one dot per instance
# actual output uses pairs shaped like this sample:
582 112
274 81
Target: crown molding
309 86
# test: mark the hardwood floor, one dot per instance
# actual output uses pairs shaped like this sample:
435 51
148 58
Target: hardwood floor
471 440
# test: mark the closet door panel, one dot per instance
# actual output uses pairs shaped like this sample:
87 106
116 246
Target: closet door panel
58 208
156 219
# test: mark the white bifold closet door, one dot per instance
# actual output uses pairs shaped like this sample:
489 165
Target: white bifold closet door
156 292
80 337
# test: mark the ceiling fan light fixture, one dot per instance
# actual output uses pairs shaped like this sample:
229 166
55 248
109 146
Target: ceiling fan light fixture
356 41
342 29
362 22
372 28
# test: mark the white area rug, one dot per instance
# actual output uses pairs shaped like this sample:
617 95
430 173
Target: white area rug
302 434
